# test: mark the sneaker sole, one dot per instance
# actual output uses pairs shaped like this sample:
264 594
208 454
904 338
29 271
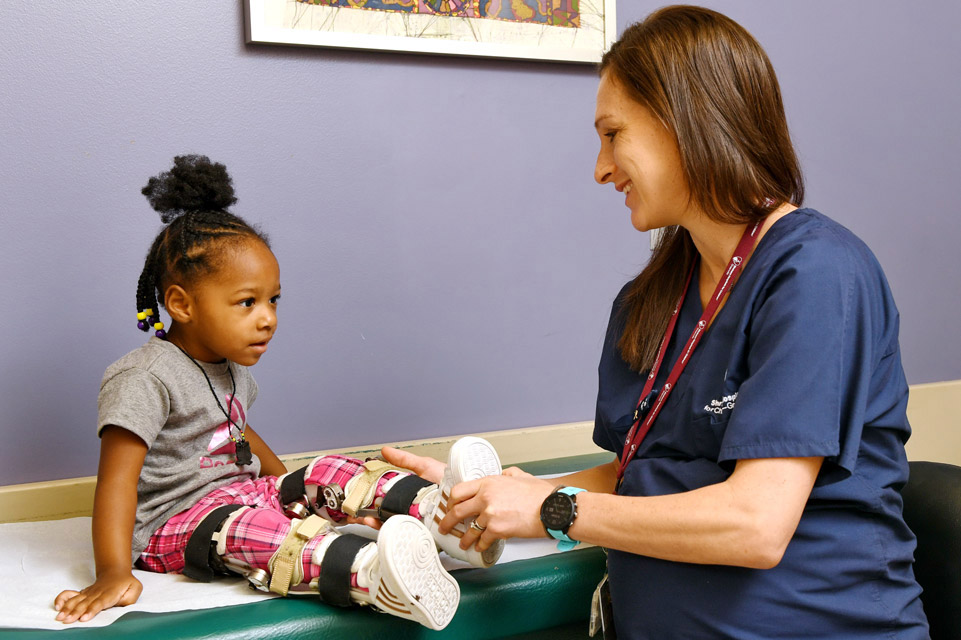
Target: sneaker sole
471 458
414 584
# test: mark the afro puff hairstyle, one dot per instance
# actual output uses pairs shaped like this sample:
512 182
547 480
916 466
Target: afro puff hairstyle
192 199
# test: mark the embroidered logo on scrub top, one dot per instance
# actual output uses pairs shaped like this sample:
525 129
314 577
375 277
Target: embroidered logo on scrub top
719 406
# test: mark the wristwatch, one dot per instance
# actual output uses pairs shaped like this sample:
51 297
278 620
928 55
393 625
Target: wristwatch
557 515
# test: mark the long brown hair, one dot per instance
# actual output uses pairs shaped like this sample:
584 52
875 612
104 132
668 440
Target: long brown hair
711 84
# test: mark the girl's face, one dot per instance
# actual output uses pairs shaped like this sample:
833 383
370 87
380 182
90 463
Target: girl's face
234 312
639 156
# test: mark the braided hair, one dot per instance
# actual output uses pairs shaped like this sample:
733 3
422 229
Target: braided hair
192 199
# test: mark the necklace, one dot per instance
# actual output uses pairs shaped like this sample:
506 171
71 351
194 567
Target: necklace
650 403
242 445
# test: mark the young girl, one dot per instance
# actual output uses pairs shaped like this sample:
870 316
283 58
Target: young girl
186 485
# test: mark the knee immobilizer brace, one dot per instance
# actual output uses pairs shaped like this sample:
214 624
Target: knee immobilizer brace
206 550
332 500
399 574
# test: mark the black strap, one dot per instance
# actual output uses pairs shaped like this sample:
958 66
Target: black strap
333 585
397 501
197 553
292 487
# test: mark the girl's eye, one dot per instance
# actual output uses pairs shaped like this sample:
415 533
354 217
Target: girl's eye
275 299
249 302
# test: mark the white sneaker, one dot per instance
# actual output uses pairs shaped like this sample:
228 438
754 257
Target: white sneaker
406 578
470 458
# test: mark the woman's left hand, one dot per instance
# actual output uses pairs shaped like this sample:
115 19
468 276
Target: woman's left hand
505 506
427 468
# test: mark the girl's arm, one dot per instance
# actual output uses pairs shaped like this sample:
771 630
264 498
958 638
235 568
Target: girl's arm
747 520
270 464
114 512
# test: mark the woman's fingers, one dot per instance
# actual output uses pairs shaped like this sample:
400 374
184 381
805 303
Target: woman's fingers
460 504
504 506
427 468
516 472
369 521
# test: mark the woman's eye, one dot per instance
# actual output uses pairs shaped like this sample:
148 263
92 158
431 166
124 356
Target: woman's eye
610 135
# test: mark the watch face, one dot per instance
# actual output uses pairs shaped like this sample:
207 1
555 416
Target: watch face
557 511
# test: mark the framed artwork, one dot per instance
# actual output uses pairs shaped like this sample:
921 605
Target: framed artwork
558 30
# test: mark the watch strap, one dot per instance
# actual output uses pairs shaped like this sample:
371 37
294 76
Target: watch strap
565 542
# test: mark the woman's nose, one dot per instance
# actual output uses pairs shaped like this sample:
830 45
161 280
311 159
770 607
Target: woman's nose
604 168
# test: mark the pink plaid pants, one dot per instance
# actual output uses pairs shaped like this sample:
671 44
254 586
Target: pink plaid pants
256 534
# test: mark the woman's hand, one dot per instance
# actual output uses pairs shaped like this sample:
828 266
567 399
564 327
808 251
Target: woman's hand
111 589
427 468
506 506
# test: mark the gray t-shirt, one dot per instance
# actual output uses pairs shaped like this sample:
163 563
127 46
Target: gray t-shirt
157 393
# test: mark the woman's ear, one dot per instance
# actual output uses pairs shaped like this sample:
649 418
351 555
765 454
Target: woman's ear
178 304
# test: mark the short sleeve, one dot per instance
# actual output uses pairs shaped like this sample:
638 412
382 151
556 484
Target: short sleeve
807 362
136 400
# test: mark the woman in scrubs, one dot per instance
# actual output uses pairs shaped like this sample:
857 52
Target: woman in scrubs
750 384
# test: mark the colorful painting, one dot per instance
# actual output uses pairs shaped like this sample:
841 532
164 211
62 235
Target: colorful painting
557 13
561 30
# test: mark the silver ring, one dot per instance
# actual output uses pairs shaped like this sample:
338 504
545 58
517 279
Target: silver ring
476 527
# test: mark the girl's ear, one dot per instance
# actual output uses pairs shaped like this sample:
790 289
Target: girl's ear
178 304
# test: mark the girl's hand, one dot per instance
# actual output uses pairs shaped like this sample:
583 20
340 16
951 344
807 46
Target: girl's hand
113 588
508 506
427 468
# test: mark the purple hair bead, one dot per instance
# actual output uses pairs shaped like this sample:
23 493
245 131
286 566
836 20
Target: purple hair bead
161 334
142 325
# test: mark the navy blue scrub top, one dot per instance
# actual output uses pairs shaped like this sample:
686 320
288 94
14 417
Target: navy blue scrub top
803 360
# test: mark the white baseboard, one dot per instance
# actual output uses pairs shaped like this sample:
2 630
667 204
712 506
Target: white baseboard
932 409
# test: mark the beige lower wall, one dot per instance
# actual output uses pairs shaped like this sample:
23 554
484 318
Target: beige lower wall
932 409
73 497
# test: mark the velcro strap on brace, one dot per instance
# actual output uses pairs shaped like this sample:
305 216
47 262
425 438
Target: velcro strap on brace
363 487
397 501
292 486
197 553
286 565
333 585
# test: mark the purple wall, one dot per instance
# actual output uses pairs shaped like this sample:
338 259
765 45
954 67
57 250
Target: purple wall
447 262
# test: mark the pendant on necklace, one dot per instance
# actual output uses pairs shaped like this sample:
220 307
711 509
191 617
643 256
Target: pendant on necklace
244 457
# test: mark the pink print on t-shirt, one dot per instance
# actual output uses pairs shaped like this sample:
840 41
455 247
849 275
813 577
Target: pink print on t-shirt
221 443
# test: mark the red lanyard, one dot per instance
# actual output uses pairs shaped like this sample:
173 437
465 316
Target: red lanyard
635 435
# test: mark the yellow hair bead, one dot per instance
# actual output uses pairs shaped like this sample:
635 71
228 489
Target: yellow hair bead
142 315
158 326
148 312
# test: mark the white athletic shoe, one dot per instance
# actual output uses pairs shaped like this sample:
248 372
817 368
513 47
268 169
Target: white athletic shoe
406 578
470 458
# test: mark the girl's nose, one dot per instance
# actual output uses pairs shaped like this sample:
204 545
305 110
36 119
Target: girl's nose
268 319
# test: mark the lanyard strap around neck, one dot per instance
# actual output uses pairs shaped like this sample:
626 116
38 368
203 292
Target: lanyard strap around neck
636 434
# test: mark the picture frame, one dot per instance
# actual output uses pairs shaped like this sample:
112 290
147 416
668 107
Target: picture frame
575 31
